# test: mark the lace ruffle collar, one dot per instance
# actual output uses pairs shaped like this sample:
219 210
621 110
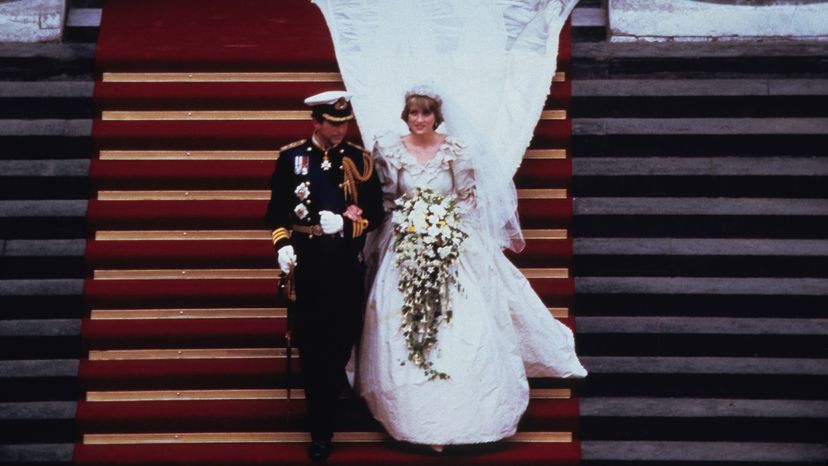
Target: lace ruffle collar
395 153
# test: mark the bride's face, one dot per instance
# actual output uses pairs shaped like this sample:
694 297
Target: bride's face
421 120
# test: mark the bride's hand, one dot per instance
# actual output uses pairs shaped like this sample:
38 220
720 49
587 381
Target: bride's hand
353 212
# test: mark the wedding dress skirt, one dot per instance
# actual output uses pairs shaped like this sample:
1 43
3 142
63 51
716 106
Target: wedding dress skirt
500 333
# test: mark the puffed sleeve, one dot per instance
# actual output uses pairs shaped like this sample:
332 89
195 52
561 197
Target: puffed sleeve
388 170
463 174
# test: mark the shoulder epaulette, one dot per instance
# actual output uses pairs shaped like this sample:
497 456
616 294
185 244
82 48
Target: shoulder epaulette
292 145
357 146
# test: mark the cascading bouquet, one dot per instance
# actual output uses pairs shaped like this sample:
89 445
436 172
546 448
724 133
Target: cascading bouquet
427 244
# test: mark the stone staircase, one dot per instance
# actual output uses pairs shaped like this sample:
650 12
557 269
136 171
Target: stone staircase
700 252
700 246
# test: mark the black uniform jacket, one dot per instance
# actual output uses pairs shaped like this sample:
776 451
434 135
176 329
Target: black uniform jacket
309 179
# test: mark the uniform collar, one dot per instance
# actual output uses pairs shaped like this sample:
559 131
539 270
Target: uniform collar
316 144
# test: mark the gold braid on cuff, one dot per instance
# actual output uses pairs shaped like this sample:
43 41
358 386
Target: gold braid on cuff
359 227
279 234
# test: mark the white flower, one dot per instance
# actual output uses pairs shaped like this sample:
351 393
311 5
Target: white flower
398 217
433 231
444 252
438 210
420 224
301 211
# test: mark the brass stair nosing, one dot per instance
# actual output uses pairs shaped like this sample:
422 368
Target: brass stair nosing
240 313
554 115
539 233
559 312
205 115
186 274
184 314
193 395
554 154
171 235
189 155
182 354
220 77
550 272
235 77
285 437
254 394
185 195
255 274
261 195
240 115
255 235
531 154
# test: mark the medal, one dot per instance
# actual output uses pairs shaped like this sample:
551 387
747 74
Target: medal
300 165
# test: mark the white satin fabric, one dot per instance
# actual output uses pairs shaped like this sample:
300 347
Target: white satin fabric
492 61
501 332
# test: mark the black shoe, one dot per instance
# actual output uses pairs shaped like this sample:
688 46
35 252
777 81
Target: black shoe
318 450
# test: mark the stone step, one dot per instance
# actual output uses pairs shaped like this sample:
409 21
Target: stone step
697 137
46 100
701 247
706 365
38 422
695 106
701 325
40 339
702 419
39 379
37 453
601 60
46 138
703 286
45 219
726 166
659 224
82 25
41 299
699 126
724 268
680 336
663 453
745 87
711 185
44 179
691 206
47 61
706 376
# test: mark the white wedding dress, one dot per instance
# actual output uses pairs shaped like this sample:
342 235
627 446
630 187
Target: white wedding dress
492 62
500 332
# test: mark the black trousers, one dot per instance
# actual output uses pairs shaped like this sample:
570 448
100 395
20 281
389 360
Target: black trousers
327 323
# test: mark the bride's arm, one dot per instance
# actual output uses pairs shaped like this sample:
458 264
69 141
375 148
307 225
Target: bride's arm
464 182
389 176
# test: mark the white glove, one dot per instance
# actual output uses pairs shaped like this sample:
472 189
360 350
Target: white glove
287 258
330 222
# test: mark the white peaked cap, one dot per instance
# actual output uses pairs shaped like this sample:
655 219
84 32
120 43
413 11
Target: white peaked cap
327 98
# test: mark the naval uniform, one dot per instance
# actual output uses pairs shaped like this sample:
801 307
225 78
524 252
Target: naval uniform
329 277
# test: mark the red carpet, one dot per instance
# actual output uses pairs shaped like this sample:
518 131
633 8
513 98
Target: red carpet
181 356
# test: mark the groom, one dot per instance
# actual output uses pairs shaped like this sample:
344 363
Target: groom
325 195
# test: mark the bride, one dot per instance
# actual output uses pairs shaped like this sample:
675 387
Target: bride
500 331
492 62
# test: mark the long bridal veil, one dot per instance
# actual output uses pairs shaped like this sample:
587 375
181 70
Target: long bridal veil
492 61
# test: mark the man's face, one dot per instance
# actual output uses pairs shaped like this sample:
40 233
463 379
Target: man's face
330 134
